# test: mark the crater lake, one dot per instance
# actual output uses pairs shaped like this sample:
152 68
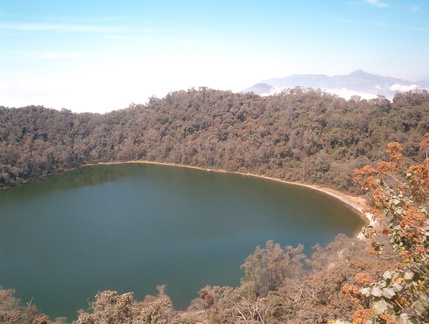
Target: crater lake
131 227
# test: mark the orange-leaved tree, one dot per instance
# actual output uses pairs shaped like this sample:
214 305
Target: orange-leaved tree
400 204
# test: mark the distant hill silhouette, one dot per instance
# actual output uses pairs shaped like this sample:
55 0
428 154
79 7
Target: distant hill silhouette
261 89
358 82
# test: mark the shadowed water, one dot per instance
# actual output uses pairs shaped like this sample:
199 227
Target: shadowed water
131 227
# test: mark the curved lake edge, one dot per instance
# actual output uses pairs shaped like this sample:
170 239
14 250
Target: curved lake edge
348 211
356 203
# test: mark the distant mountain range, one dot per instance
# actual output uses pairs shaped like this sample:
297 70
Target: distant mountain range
358 83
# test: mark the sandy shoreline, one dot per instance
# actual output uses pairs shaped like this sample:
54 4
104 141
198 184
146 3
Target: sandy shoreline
357 203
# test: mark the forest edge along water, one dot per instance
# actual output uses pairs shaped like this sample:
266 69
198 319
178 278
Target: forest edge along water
82 221
355 202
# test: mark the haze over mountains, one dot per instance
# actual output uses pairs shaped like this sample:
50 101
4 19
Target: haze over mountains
359 83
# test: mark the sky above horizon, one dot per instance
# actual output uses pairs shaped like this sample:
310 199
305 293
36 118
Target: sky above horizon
98 56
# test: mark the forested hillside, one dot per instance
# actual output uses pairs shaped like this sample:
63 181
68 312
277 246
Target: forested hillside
298 135
383 279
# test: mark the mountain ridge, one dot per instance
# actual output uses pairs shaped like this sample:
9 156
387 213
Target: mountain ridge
358 82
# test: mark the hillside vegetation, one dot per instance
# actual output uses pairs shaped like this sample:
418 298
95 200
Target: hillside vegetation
304 136
298 135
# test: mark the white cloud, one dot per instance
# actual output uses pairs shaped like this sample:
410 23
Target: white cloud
105 86
59 55
403 88
348 21
415 8
186 42
376 3
347 93
416 29
59 27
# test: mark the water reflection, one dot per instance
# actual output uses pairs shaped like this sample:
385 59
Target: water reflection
131 227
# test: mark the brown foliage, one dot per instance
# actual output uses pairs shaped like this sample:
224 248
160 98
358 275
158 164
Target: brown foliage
11 310
111 308
401 195
302 136
297 135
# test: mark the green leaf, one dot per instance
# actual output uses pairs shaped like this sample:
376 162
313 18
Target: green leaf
409 275
366 292
420 306
388 293
397 287
376 292
387 275
396 201
380 306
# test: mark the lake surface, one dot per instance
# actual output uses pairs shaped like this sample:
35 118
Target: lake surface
132 227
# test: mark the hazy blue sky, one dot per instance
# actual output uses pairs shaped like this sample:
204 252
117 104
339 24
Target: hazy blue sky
102 55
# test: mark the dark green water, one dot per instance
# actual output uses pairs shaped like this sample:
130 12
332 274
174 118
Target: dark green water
132 227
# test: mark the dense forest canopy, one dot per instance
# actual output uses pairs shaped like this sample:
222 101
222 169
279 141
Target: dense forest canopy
298 135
